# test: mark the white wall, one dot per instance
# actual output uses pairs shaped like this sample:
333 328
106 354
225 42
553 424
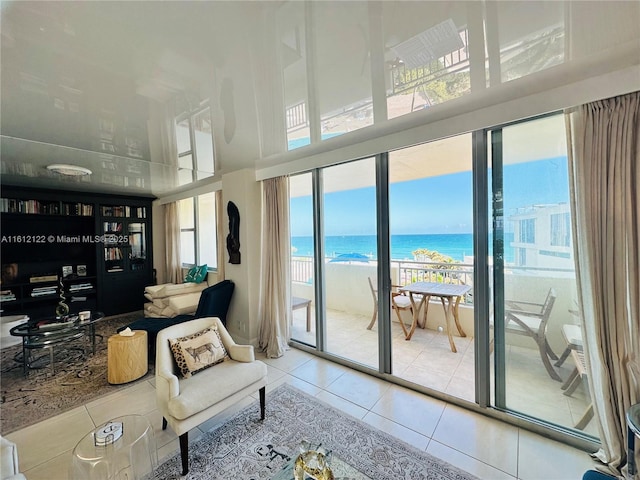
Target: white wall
242 321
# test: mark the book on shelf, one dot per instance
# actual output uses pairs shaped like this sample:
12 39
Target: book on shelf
44 293
7 296
43 278
115 269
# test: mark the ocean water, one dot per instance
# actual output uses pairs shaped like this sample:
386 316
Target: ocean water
454 245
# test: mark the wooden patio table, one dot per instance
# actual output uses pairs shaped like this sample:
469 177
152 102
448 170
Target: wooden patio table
446 292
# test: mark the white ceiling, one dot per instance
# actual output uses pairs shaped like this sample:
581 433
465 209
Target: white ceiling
68 66
64 64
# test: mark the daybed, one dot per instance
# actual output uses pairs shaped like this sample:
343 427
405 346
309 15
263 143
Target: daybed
214 302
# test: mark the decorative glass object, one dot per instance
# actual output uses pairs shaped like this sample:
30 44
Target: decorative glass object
312 462
62 309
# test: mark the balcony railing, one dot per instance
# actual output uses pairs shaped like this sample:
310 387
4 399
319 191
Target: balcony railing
407 272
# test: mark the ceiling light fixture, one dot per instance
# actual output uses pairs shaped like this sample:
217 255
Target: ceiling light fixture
69 170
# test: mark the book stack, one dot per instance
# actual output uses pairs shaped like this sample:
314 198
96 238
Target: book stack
80 287
44 291
7 296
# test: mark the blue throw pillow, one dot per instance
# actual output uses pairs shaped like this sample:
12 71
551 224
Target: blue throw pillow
201 273
196 274
191 275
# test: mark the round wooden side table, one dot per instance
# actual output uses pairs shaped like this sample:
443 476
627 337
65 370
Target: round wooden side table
127 357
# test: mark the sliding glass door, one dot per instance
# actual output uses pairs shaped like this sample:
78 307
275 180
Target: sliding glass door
427 213
350 263
431 225
303 301
538 351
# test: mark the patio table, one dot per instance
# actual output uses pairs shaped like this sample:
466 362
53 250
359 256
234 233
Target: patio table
447 293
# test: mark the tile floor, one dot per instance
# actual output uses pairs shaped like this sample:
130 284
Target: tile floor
427 360
485 447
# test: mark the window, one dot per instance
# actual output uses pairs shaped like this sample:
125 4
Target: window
198 240
194 139
561 230
528 230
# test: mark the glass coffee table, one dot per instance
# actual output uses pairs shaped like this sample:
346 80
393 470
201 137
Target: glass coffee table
47 333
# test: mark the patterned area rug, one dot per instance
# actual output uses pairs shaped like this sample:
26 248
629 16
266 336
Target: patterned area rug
77 379
246 448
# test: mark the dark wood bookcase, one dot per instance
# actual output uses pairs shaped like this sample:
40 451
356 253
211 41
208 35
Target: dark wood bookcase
93 249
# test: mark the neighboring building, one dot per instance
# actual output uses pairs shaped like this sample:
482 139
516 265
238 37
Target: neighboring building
542 236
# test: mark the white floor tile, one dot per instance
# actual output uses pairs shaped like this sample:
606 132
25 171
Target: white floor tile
50 438
359 388
411 437
319 372
55 469
415 411
541 458
342 404
485 439
467 463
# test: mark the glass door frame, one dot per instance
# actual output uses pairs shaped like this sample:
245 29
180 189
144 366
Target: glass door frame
383 269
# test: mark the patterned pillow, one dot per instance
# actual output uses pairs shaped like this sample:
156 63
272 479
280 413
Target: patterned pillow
198 351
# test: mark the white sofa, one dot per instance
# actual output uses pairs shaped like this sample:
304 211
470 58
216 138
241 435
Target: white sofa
9 468
171 299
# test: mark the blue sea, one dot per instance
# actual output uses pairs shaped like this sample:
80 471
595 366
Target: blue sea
454 245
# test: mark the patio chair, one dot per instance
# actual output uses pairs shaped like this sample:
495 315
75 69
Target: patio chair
399 302
531 319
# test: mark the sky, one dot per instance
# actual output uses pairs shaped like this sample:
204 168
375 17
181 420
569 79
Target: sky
432 205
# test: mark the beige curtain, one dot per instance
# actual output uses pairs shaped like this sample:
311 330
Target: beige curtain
275 296
172 239
605 177
220 235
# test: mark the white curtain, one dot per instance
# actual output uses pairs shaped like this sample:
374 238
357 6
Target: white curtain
275 287
172 239
220 235
605 177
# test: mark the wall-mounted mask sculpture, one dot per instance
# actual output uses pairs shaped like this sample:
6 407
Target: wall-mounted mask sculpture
233 239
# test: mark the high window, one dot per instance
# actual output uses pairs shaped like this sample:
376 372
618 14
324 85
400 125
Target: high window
198 241
194 139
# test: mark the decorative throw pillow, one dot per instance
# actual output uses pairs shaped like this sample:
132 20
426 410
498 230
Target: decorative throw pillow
191 275
196 274
198 351
201 273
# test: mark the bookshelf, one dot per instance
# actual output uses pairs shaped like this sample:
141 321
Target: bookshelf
94 249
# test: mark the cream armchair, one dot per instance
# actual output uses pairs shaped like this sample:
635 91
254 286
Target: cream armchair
185 403
9 461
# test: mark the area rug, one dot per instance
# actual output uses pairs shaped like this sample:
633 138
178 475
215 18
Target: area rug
249 449
77 379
